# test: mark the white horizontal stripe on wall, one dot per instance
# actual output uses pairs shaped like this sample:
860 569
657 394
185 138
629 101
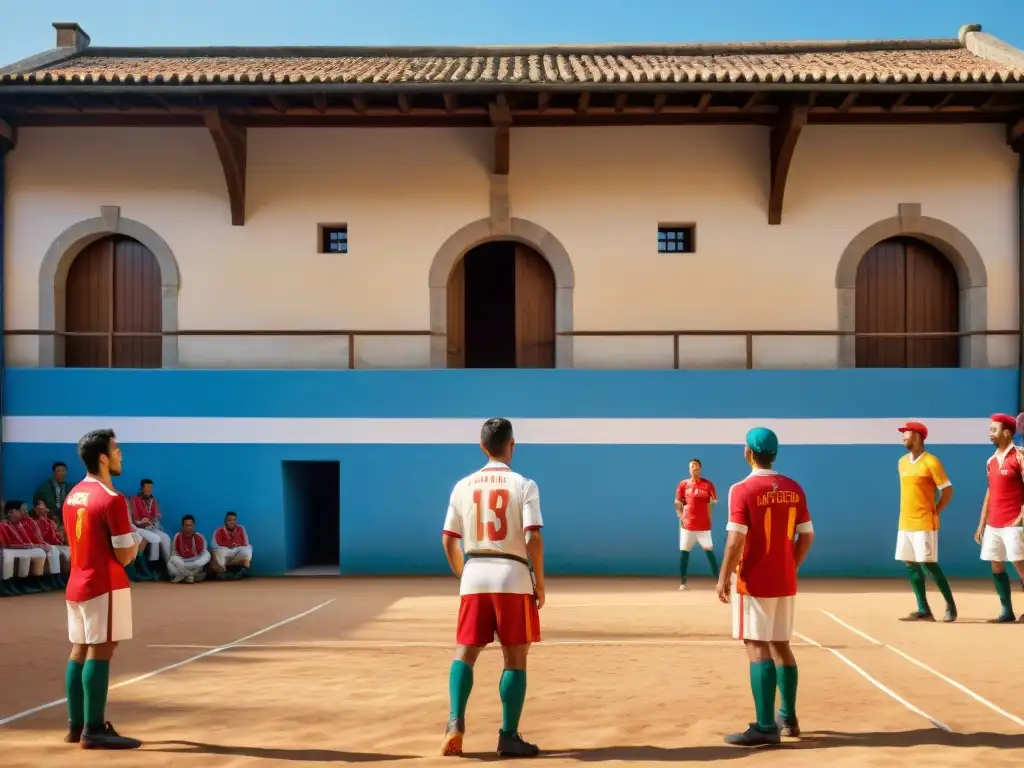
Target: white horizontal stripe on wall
162 429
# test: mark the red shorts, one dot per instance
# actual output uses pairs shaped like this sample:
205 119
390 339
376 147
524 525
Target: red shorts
513 618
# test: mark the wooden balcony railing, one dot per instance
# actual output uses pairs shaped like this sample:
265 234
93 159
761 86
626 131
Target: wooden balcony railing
351 335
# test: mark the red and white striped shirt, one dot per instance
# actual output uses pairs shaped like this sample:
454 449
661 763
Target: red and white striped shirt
236 537
31 532
187 547
50 531
11 537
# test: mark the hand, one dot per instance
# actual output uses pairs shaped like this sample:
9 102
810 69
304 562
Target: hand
978 534
538 591
724 587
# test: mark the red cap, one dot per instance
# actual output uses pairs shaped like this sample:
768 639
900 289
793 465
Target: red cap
1008 421
915 426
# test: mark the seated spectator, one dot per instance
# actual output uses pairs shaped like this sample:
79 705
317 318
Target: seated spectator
190 558
56 538
232 553
138 570
16 551
148 520
33 534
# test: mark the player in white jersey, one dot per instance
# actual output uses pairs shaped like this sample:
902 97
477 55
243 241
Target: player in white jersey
495 512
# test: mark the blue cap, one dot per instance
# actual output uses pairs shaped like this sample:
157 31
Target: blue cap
762 440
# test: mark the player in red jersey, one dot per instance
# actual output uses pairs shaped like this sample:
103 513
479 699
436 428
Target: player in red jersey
99 602
770 533
694 498
1001 528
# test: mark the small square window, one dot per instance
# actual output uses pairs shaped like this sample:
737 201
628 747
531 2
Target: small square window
677 238
333 238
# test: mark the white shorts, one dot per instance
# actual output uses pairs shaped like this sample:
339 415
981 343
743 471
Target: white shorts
104 619
764 619
687 539
917 546
1002 545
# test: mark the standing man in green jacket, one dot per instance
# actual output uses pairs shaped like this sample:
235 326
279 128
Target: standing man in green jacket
53 491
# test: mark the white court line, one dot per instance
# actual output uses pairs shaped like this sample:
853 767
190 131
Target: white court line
926 668
384 644
884 689
169 667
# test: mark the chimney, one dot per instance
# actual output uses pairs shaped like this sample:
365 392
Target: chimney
71 35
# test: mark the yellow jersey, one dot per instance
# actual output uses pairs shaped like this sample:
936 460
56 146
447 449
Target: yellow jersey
920 484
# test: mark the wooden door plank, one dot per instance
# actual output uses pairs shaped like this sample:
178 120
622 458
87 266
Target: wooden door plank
535 310
881 306
933 305
456 322
87 306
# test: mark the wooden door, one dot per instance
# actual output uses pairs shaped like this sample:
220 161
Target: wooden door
89 306
535 310
905 286
114 285
933 305
456 322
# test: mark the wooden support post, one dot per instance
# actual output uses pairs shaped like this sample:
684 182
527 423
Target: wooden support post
784 137
501 119
232 147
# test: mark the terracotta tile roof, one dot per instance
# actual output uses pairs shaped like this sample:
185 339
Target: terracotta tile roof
882 62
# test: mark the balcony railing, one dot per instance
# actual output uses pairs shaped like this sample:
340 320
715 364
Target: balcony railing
676 337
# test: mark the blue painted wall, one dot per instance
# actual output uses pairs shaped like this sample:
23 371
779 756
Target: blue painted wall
608 507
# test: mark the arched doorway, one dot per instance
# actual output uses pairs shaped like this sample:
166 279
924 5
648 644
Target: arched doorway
113 285
501 308
906 286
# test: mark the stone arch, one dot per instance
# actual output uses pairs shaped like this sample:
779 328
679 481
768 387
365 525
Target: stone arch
483 231
53 275
948 240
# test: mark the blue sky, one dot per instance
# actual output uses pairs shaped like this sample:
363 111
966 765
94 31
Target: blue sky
25 24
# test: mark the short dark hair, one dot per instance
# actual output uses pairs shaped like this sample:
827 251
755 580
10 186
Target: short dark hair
93 445
145 481
495 435
697 462
187 517
230 514
764 460
57 464
11 505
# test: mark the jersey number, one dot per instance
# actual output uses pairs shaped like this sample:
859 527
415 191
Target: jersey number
790 527
497 505
79 523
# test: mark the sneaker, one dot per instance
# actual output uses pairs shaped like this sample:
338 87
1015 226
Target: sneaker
74 734
788 726
951 614
452 745
177 579
919 616
106 737
1004 617
682 587
513 745
755 736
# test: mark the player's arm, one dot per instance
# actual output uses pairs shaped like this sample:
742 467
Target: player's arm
680 498
533 521
119 521
983 519
804 531
739 524
451 535
942 484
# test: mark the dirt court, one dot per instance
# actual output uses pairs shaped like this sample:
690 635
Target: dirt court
313 671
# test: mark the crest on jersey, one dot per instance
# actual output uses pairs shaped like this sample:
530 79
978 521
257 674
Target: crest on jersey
775 485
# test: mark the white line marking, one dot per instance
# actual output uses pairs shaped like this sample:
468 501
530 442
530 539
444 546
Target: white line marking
169 667
880 686
926 668
374 645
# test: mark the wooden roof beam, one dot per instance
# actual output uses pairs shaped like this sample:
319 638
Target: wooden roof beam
1015 136
231 141
8 136
782 144
501 119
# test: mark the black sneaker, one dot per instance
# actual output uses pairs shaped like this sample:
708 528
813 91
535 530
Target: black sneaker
919 616
755 736
105 737
1005 617
452 744
74 734
788 726
512 745
951 614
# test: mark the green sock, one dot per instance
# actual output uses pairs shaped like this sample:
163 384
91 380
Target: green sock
916 573
712 561
684 564
940 581
787 678
460 684
95 682
763 682
1002 581
75 693
512 688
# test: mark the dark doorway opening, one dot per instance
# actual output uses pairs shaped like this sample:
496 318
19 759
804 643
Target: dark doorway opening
312 504
491 306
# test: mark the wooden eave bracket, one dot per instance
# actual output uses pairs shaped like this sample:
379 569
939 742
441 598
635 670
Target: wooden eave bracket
1015 136
232 147
501 119
784 137
8 136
